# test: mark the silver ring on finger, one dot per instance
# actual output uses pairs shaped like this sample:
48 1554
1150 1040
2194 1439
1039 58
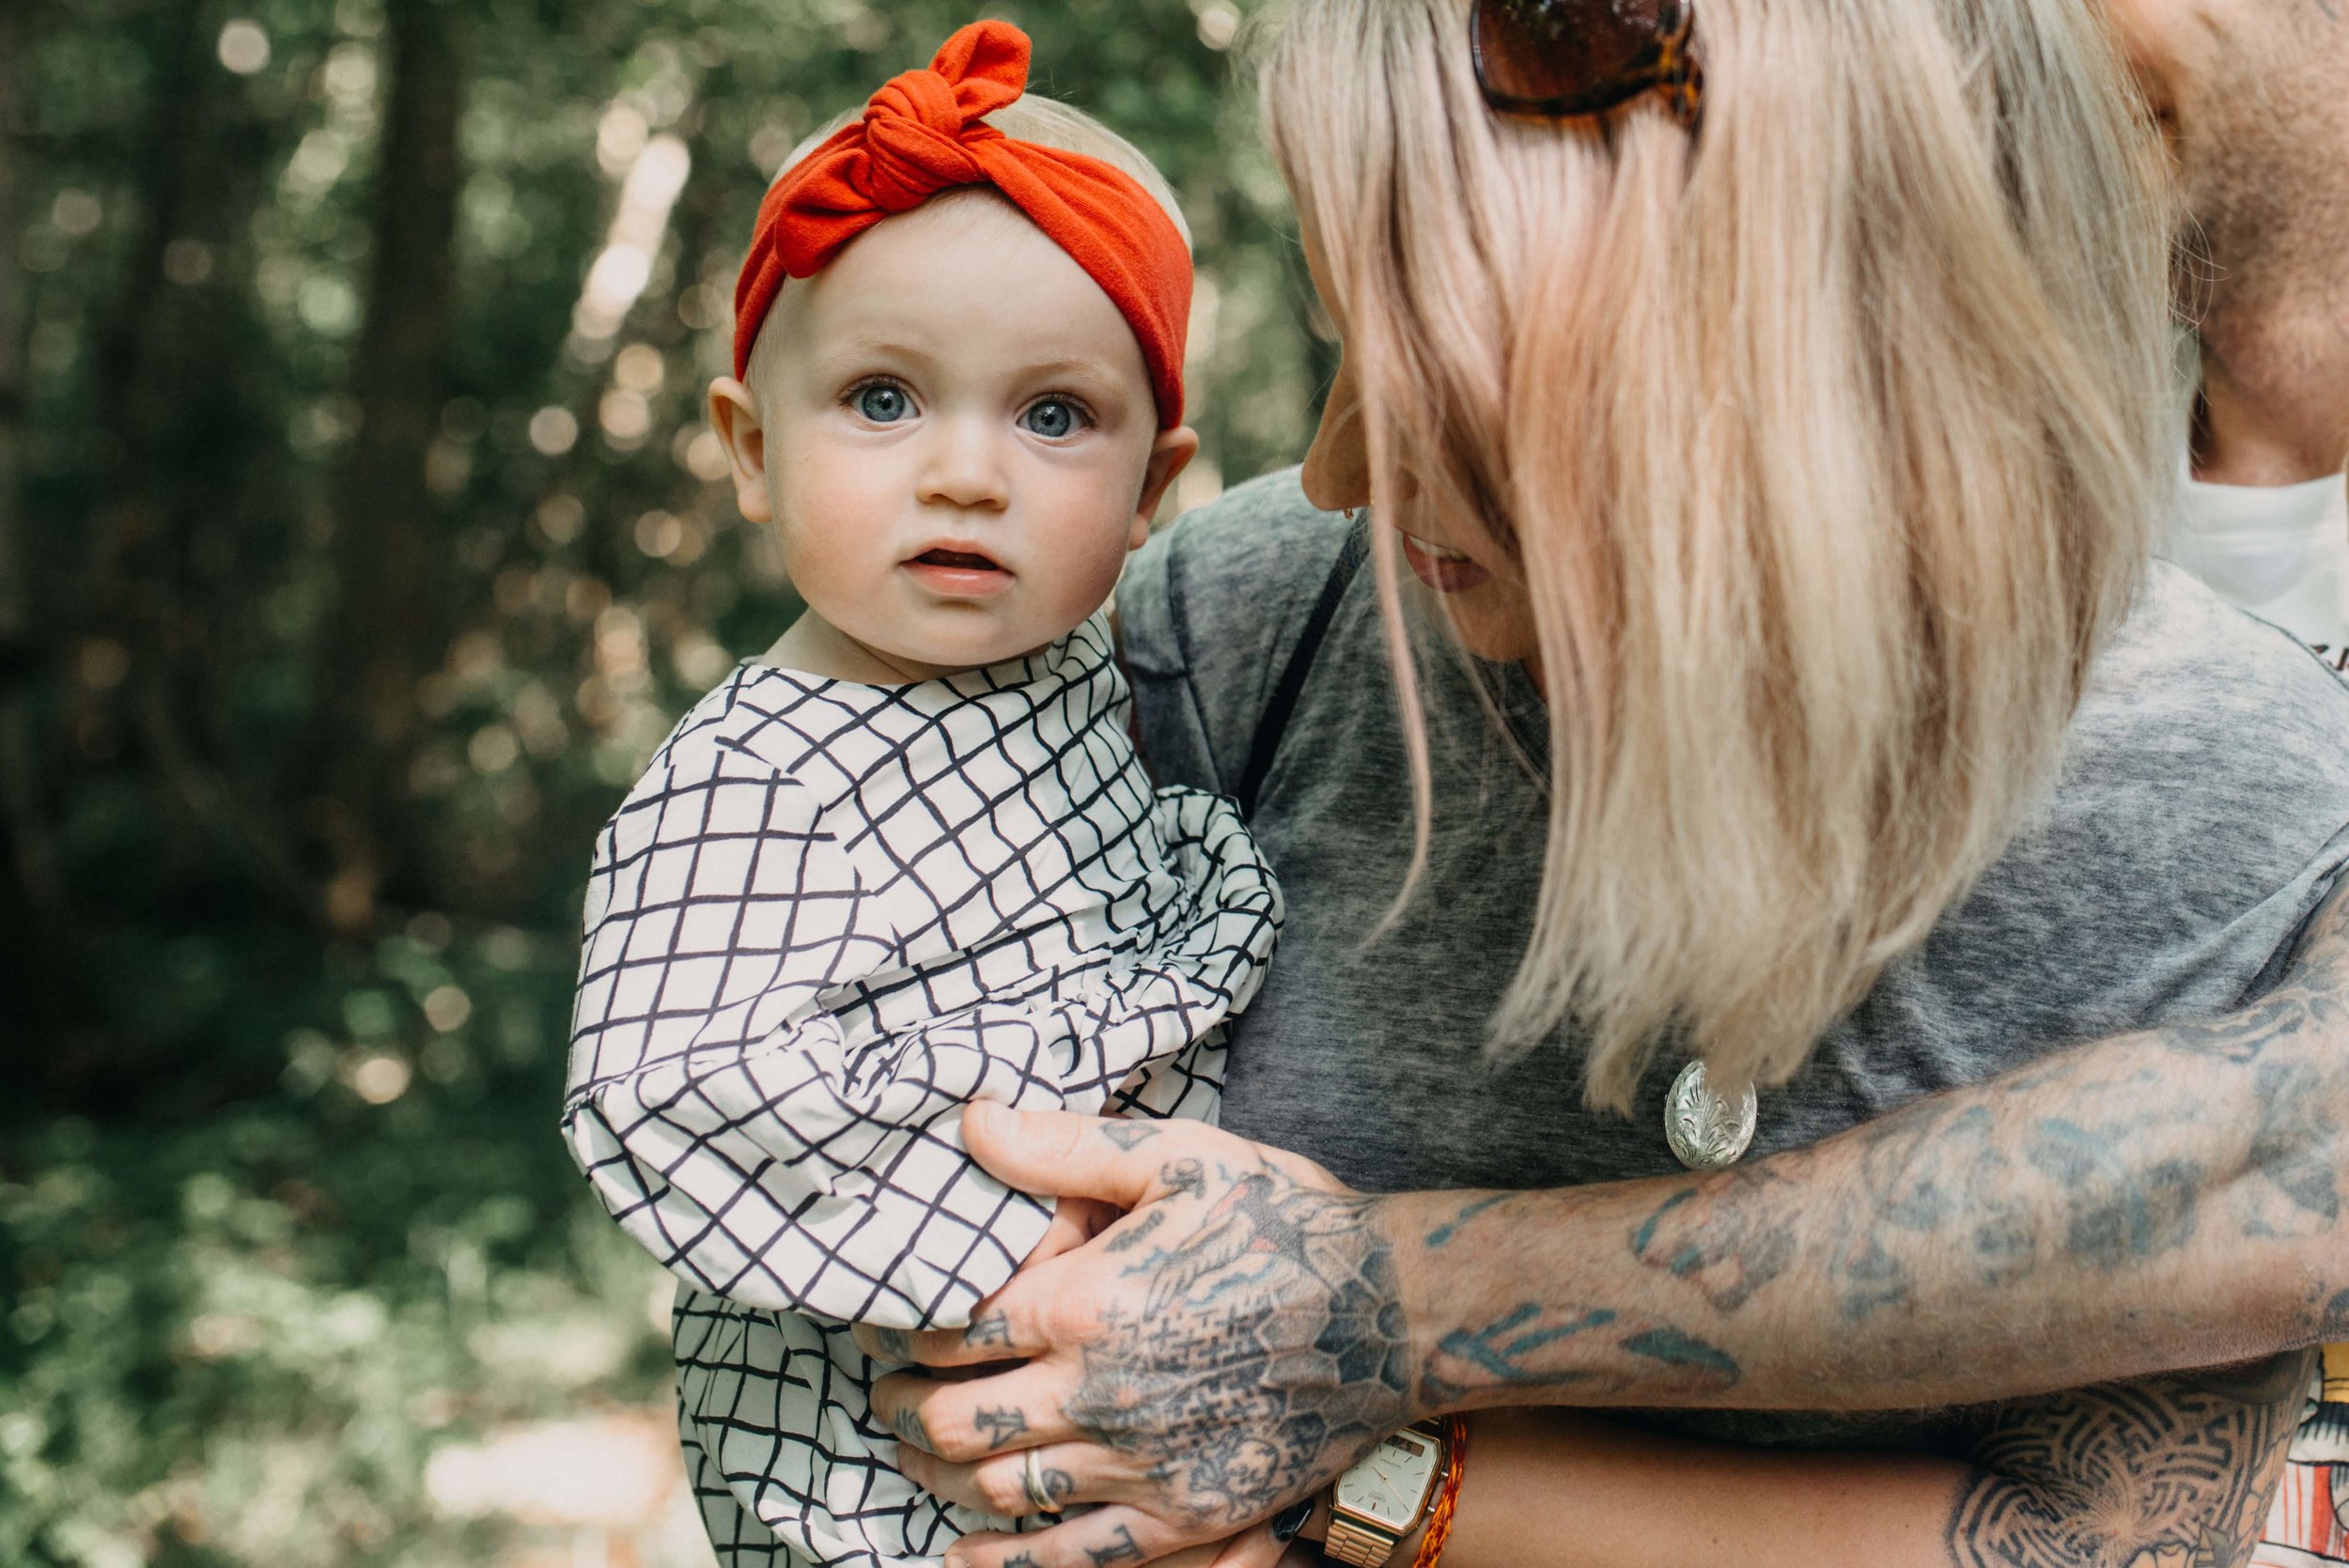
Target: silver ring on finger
1032 1473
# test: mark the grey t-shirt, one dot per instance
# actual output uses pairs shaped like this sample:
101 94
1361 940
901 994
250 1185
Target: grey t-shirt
2199 822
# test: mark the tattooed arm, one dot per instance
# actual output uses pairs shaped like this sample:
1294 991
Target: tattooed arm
2168 1474
1249 1344
2153 1202
2158 1201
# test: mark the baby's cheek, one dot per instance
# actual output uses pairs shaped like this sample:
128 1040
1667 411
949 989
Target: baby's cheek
824 515
1093 563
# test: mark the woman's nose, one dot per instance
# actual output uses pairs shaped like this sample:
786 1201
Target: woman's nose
965 465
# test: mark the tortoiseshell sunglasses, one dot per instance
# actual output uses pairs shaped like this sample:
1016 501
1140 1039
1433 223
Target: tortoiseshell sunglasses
1557 60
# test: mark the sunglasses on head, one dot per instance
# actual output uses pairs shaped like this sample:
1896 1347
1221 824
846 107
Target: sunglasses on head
1561 58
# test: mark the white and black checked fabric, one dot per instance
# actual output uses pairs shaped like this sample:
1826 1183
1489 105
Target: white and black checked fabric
828 917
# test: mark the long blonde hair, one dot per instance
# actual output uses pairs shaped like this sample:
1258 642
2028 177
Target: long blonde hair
1828 442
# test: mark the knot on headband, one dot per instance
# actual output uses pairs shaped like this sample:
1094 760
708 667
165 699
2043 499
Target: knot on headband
924 132
917 128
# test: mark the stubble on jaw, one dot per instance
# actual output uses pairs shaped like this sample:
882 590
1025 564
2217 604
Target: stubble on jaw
2263 165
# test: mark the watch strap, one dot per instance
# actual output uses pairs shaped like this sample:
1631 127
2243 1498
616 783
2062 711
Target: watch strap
1360 1543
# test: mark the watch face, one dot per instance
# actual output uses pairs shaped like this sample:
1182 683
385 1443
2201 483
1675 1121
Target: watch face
1391 1481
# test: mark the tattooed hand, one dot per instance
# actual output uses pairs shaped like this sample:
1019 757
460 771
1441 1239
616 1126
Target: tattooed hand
1232 1345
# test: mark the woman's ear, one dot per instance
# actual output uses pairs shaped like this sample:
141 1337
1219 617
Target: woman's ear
734 414
1336 475
1170 454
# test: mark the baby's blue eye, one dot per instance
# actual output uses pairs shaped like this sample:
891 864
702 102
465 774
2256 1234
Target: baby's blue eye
1054 418
882 404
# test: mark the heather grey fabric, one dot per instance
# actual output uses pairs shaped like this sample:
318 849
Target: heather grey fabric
2199 821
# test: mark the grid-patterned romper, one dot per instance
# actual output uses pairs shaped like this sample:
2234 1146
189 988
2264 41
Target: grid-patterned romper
828 917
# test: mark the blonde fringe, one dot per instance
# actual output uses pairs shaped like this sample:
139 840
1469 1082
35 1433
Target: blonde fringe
1829 454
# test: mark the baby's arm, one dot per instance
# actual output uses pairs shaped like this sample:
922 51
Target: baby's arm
2172 1472
715 1104
730 1126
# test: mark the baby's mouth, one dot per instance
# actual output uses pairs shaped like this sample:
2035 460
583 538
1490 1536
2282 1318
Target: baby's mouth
959 574
956 560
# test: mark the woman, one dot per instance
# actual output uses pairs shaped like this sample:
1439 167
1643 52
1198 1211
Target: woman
1785 470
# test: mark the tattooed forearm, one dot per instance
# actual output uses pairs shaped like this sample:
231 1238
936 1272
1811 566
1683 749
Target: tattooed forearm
1532 1352
2167 1199
1442 1235
1501 1349
2141 1475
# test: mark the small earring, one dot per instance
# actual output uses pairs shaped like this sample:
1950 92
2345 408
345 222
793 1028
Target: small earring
1349 515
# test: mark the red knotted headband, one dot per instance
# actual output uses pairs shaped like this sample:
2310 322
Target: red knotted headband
924 134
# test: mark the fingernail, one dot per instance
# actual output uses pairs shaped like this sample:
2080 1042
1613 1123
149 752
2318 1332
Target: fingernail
1291 1519
980 1114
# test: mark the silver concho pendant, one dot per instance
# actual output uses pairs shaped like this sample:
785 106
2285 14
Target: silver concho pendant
1705 1131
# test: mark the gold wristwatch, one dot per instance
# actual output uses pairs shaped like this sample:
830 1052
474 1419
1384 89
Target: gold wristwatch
1383 1498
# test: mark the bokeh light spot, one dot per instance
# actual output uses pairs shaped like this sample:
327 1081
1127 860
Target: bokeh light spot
560 518
659 534
76 212
106 664
187 262
1218 24
447 1008
379 1079
553 431
244 46
639 368
626 417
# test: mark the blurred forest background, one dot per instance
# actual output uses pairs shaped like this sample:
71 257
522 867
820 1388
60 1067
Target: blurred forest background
359 539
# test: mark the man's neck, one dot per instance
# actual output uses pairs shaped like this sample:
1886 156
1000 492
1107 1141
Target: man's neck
2274 403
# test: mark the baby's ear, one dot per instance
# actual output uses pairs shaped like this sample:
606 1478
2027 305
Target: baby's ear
1169 455
734 414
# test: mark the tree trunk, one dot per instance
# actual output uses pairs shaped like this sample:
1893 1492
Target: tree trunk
27 872
388 549
15 592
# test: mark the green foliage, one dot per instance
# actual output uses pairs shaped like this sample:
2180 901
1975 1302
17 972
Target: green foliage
350 568
243 1342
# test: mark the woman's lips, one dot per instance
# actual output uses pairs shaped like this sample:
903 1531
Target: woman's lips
1447 571
958 573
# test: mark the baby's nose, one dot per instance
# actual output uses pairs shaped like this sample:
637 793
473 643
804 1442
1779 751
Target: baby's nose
965 465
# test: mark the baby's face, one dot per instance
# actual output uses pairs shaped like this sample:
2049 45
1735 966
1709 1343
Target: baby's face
960 442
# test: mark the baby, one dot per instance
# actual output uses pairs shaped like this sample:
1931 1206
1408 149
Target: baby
910 858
